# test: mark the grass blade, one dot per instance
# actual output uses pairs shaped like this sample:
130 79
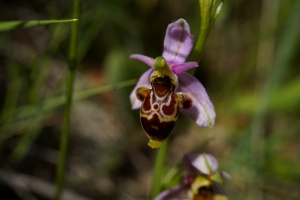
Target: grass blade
11 25
60 173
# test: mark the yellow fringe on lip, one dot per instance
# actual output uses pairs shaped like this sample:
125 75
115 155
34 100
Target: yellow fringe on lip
154 144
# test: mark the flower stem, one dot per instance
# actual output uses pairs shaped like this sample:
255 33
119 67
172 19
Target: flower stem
198 50
159 169
69 91
207 20
205 7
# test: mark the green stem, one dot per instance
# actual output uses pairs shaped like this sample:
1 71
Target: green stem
69 91
206 23
159 169
198 50
205 8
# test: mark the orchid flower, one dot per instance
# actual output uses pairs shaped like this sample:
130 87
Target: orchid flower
203 181
165 88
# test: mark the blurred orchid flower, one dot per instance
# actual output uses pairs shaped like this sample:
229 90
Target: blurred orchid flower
165 88
203 181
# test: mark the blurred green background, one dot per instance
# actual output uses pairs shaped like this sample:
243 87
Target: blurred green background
250 69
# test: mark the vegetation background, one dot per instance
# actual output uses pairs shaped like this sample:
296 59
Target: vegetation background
250 69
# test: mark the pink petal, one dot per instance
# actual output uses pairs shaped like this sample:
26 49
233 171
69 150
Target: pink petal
178 192
145 59
200 163
202 110
178 42
179 68
144 81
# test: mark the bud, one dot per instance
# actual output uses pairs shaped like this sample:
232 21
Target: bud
209 11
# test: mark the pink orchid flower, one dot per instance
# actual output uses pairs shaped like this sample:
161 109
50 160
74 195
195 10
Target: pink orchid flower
166 88
203 181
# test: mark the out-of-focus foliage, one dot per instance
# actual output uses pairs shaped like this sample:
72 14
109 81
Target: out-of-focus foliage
250 69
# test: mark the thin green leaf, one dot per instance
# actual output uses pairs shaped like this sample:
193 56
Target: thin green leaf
49 104
10 25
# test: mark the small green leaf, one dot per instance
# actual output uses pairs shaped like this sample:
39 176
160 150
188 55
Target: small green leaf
10 25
